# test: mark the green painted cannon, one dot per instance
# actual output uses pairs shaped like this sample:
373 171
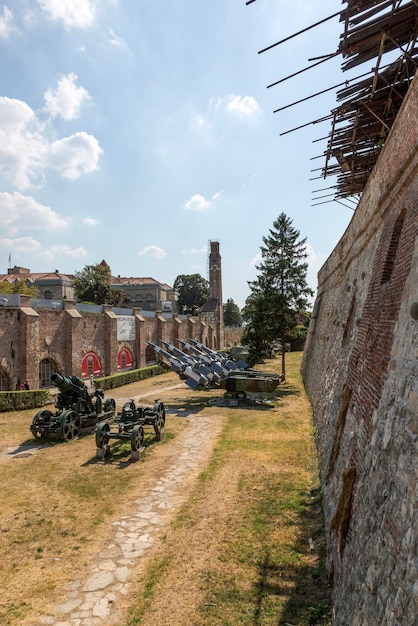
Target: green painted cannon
130 423
78 411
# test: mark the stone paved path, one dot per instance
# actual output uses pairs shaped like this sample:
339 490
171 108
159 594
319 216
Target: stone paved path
94 600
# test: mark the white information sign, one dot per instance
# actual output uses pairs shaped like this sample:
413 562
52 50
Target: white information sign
126 328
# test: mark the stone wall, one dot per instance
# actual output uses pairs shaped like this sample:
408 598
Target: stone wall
360 370
64 336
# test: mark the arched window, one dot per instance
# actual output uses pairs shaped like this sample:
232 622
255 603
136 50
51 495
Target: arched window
138 297
48 295
46 369
150 297
91 365
124 359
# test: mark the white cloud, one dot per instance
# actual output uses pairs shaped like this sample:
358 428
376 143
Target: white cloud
114 40
26 153
6 19
197 203
242 107
155 251
200 203
65 250
19 213
72 13
22 145
90 221
312 255
201 250
256 260
59 251
67 99
75 155
21 244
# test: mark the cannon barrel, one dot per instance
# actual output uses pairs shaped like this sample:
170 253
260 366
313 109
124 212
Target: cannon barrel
68 383
197 354
176 364
178 353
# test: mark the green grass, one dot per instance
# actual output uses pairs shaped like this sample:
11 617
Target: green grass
264 571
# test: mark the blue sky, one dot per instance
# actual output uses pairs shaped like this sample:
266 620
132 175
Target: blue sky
136 131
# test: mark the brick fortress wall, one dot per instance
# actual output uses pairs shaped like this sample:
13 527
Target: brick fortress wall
65 336
360 369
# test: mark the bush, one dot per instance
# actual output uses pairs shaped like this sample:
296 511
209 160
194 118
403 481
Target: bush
22 400
132 376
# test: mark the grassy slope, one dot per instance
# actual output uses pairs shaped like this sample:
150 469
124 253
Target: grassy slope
248 547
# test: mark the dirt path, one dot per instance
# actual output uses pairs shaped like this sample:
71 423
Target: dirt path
95 599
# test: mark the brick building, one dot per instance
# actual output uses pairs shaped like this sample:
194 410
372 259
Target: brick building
56 334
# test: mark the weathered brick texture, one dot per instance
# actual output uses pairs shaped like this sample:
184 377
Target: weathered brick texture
360 369
28 336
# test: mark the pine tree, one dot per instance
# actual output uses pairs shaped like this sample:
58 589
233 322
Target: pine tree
280 292
232 314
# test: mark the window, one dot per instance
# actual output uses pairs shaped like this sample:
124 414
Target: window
46 369
91 365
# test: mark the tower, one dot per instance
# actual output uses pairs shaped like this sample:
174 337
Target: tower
215 287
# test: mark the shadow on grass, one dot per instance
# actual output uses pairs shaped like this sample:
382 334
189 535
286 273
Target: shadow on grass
309 601
185 408
119 453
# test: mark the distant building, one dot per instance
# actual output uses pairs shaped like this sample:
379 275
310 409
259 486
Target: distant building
51 286
147 294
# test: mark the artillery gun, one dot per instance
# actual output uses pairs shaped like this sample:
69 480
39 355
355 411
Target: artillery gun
130 423
78 411
203 369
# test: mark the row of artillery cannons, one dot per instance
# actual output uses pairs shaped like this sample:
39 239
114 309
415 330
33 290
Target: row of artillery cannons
80 412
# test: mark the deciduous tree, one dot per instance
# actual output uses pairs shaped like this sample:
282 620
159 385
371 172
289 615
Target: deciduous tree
193 291
19 286
92 284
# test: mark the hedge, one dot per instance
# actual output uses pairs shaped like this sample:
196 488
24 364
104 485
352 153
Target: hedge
132 376
22 400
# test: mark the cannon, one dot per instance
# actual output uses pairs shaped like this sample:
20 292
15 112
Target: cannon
130 424
78 411
202 369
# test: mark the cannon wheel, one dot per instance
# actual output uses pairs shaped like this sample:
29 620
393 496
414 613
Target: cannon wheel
70 425
137 437
159 423
110 405
102 435
40 415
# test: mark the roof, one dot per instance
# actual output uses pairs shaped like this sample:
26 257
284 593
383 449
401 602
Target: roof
32 277
121 280
211 306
